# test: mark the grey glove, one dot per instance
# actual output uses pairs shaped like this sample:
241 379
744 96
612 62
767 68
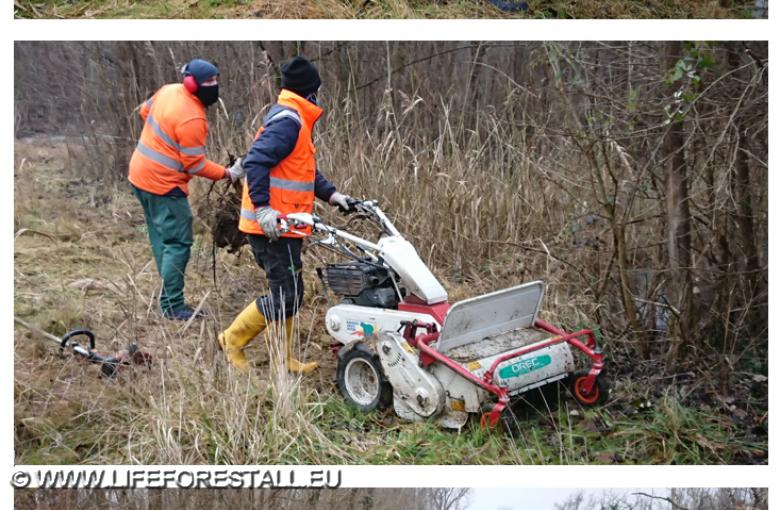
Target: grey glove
340 200
236 171
267 218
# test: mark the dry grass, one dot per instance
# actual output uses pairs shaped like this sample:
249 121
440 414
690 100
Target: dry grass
373 9
192 408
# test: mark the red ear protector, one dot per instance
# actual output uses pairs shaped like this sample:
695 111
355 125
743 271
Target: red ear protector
190 84
188 80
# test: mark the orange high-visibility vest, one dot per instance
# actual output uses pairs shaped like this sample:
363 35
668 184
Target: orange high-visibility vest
172 147
291 184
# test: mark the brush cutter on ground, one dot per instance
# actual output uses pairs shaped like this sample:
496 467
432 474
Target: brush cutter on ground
399 342
109 364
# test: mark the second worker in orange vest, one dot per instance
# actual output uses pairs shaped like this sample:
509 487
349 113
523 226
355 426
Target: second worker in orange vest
170 152
281 178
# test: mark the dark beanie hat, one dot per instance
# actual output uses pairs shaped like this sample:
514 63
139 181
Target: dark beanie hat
300 76
200 70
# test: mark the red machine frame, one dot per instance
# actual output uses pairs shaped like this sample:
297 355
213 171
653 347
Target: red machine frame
429 355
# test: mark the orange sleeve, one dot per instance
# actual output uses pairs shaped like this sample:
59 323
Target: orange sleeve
146 106
192 135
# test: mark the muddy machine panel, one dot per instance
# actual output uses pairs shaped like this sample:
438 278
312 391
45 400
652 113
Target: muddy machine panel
473 320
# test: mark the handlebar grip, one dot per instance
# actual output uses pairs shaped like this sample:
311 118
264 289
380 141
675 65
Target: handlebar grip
282 223
352 204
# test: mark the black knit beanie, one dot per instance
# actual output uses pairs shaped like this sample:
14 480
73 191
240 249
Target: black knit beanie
300 76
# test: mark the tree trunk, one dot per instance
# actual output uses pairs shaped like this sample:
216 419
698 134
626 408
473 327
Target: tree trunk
742 192
678 216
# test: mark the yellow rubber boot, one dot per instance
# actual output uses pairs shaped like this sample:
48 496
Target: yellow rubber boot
247 325
293 365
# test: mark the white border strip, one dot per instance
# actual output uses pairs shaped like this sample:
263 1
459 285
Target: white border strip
397 30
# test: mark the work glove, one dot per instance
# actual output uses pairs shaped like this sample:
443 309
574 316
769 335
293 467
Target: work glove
268 220
340 200
236 170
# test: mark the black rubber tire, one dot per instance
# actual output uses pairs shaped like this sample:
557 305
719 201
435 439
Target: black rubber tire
378 394
601 390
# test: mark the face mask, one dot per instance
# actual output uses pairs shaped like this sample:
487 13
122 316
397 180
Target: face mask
208 95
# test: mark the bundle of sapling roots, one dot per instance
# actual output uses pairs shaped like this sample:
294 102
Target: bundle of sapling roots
220 209
220 206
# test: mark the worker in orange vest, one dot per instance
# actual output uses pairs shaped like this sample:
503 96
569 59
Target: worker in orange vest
281 178
170 152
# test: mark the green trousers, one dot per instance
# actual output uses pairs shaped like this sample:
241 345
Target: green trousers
169 222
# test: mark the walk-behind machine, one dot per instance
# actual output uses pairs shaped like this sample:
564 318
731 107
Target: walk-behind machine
400 342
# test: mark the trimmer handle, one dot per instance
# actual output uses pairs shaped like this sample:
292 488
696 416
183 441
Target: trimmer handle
289 223
109 364
66 340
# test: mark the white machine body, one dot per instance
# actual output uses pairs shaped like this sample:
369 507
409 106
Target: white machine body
348 323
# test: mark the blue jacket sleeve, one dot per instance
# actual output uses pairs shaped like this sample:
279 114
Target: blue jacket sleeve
275 143
323 188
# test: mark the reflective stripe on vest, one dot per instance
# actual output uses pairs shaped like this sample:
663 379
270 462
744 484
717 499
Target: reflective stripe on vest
193 151
200 166
292 114
248 215
158 157
291 185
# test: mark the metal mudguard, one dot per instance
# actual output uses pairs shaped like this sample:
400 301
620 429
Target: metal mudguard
399 254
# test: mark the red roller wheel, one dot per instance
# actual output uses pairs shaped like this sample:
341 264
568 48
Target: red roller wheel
596 396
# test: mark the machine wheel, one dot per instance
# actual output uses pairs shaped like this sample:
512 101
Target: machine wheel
361 379
598 394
